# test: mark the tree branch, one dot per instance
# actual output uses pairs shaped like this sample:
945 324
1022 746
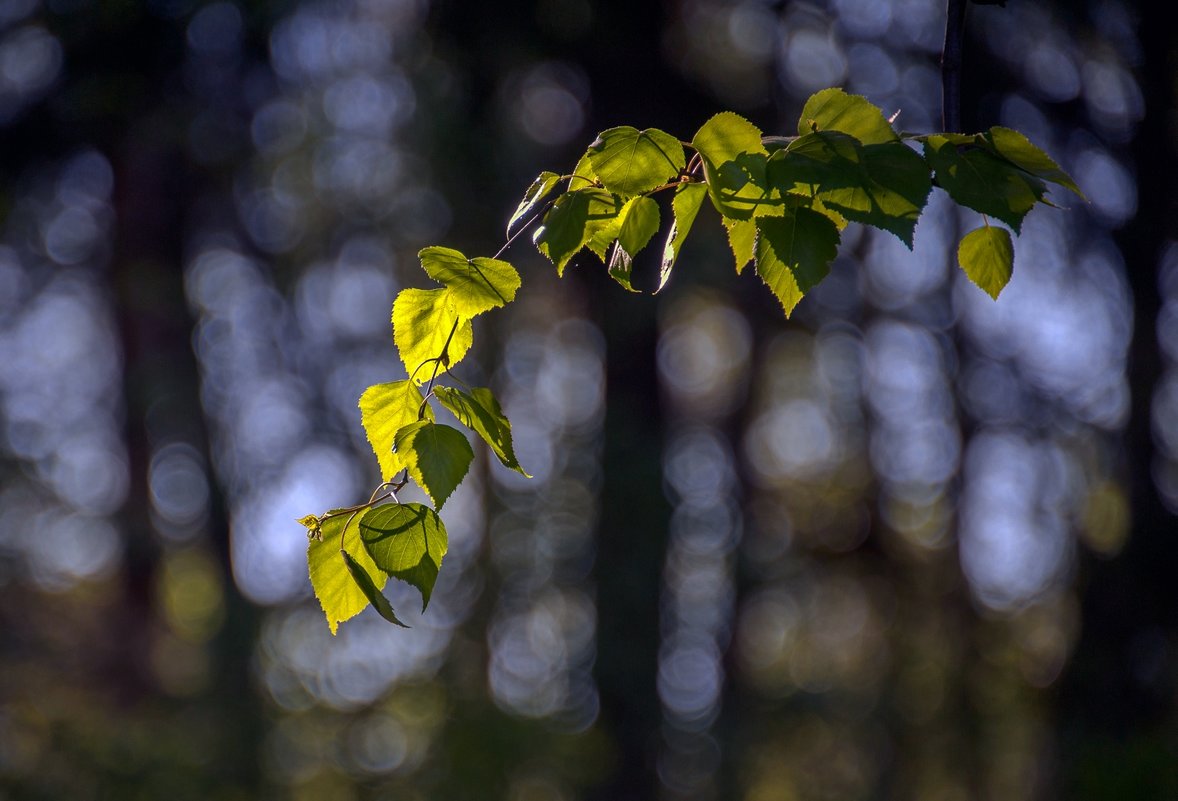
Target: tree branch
951 65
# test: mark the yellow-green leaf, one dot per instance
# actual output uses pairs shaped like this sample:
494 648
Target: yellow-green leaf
734 164
407 541
437 457
884 185
638 222
1019 150
340 597
987 256
384 410
426 327
583 176
835 110
794 252
476 285
742 237
480 412
629 162
581 217
540 189
686 204
976 177
368 586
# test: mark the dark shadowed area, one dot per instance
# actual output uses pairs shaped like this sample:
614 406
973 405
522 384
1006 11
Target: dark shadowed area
910 544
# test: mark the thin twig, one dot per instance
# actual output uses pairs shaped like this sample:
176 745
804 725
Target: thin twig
523 227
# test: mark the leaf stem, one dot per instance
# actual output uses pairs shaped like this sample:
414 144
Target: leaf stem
373 499
454 376
425 402
671 185
442 358
571 176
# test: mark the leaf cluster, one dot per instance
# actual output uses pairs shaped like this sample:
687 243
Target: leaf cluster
783 202
353 551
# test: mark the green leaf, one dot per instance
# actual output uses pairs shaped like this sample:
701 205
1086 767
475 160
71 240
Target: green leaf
734 165
885 185
604 236
980 179
407 541
629 162
583 176
578 218
895 187
423 320
1018 149
384 410
742 237
340 597
368 587
987 256
476 285
835 110
437 457
689 197
794 253
816 159
540 189
480 412
639 221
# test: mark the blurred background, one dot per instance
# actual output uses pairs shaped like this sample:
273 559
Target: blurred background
912 544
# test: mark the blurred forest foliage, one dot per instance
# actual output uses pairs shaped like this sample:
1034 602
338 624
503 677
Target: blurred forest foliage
913 544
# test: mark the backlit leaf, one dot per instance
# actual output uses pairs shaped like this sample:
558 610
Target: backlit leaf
423 320
384 410
576 218
685 205
476 285
340 597
628 161
1018 149
816 159
437 457
537 192
987 256
885 185
639 221
367 586
985 182
407 541
480 412
894 190
835 110
742 238
794 252
583 176
734 164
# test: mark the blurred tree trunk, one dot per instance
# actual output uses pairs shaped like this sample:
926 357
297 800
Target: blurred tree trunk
1116 701
631 543
144 135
